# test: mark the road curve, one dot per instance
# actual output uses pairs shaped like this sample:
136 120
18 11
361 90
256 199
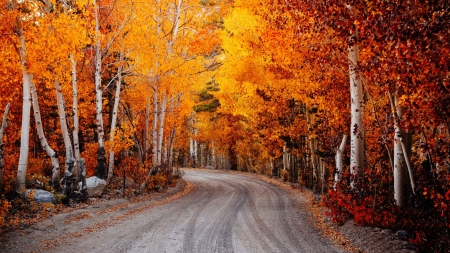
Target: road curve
223 213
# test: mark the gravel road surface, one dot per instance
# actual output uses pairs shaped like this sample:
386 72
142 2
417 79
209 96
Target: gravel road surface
222 213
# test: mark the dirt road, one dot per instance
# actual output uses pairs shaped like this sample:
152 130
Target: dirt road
222 213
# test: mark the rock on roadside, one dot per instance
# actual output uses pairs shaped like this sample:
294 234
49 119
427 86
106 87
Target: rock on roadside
40 196
95 186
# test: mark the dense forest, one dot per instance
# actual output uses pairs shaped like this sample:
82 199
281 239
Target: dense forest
348 98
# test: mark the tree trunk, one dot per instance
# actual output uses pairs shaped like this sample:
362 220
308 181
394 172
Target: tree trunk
82 165
401 155
2 154
70 159
101 154
165 153
176 25
40 131
312 143
76 123
26 109
339 161
284 158
191 149
155 123
146 129
154 134
399 162
357 112
170 160
195 149
162 116
213 158
114 120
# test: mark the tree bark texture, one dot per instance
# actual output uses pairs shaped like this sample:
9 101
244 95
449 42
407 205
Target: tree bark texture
26 109
70 159
162 116
357 112
2 153
40 131
402 164
114 120
339 160
101 154
76 123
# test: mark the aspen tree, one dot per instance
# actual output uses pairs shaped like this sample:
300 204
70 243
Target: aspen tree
2 152
357 112
40 130
114 119
26 106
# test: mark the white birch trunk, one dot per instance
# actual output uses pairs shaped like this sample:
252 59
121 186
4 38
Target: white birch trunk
339 161
162 116
213 162
79 169
2 153
399 162
191 139
357 112
170 159
176 24
154 128
40 131
311 144
164 154
146 129
76 124
163 104
155 124
147 122
101 155
70 159
156 91
401 156
195 146
26 111
114 120
191 148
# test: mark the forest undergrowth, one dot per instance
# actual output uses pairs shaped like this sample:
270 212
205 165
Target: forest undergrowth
17 211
